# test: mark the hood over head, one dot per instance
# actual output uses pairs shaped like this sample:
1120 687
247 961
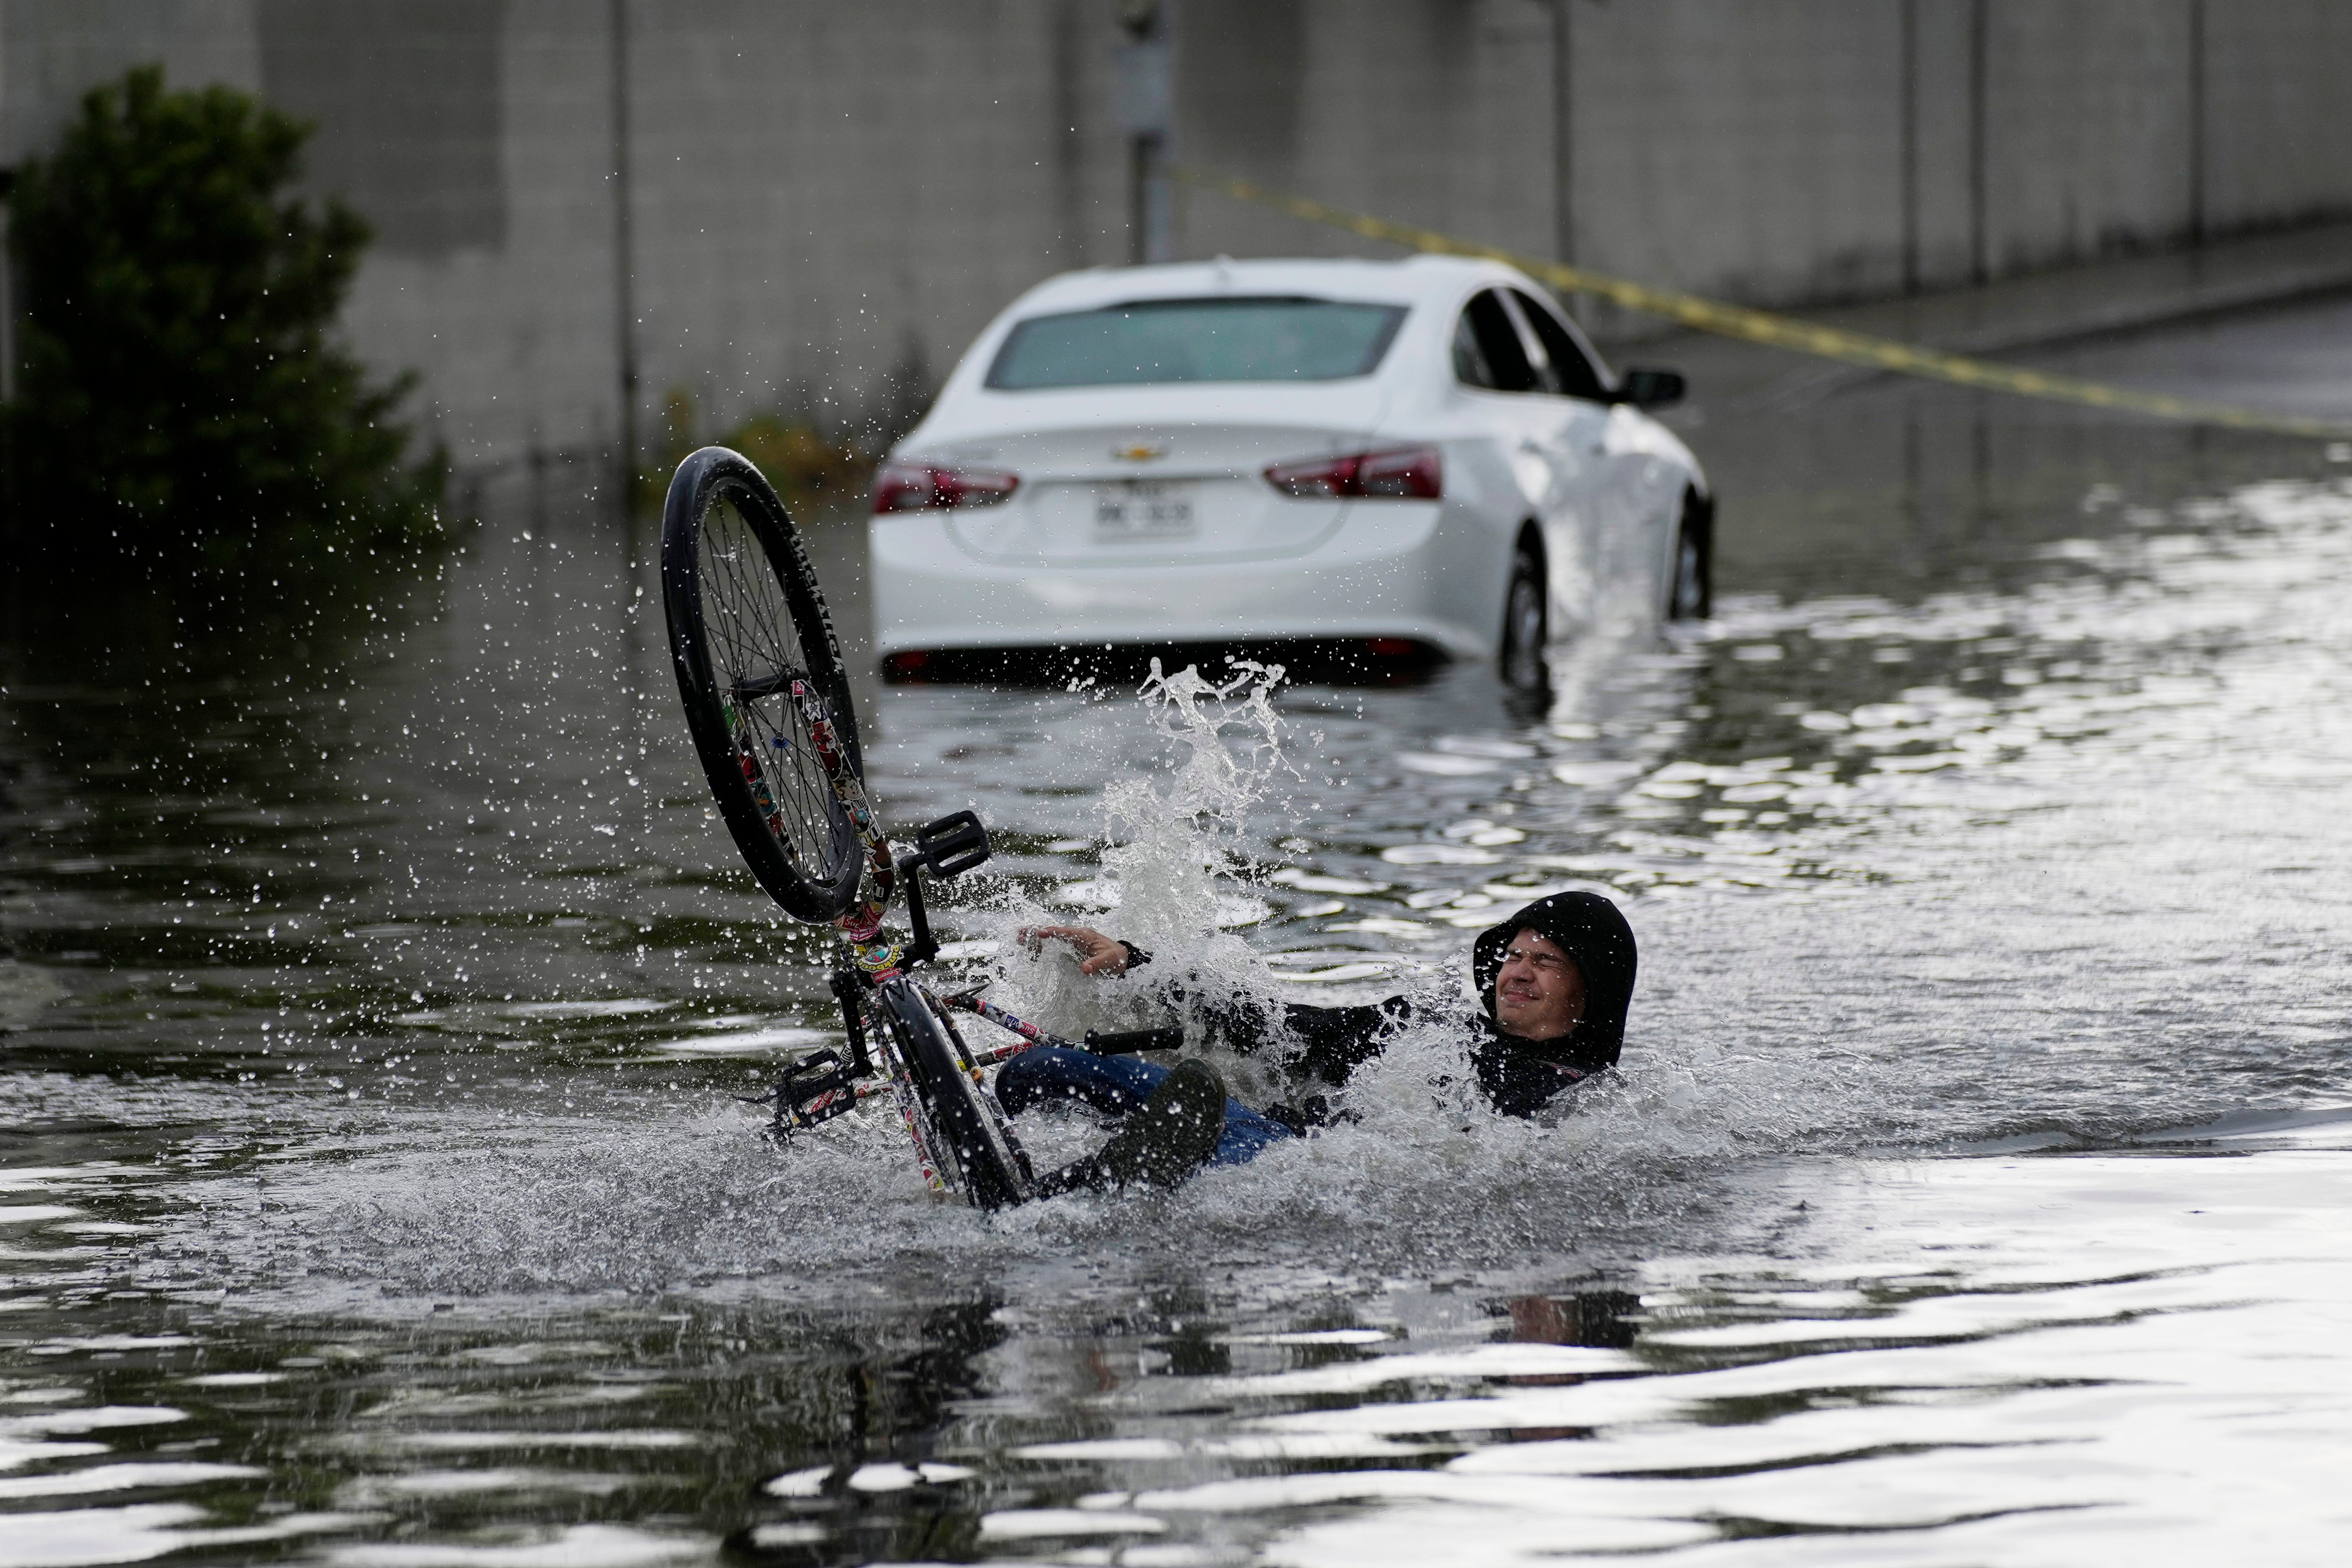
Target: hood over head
1589 929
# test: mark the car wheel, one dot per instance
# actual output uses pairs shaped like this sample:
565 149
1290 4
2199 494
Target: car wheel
1525 615
1692 597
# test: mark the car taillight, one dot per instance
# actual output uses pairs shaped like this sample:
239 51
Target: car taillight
920 486
1410 473
1417 473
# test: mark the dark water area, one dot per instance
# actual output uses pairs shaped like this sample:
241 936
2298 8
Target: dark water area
376 977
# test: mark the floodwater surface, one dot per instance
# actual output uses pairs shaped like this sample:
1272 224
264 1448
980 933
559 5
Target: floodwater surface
1977 1185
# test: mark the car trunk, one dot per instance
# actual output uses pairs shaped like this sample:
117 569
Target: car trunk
1134 493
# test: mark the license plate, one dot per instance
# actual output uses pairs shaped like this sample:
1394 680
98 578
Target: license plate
1144 509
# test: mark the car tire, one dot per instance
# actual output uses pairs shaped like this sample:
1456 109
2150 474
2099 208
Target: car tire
1691 595
1527 625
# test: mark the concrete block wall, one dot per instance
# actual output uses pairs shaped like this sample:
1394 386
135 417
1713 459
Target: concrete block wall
494 268
825 202
821 205
1439 114
1787 151
1715 144
822 198
2277 145
2081 162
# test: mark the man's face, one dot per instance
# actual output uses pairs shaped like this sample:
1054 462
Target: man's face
1539 994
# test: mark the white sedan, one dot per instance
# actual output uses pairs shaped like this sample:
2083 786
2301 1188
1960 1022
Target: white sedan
1383 464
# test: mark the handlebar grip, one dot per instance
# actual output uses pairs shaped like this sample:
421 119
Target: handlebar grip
1133 1040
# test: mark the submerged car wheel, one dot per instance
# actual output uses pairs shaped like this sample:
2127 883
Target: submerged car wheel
1520 661
1692 597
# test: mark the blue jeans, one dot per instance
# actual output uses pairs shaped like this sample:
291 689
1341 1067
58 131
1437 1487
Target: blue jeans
1115 1086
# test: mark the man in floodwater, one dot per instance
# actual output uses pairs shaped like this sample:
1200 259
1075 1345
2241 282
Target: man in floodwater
1554 982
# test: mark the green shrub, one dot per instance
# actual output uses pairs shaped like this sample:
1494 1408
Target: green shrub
178 383
808 467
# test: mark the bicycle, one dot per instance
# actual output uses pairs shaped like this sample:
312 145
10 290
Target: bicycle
769 708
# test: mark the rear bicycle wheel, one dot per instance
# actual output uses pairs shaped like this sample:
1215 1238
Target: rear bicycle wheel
760 672
976 1151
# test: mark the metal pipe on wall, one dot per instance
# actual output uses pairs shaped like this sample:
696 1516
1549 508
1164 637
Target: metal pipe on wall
1980 241
1909 154
1563 137
2196 121
1143 101
623 257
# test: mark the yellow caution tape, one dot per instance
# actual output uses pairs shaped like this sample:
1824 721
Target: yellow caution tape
1782 332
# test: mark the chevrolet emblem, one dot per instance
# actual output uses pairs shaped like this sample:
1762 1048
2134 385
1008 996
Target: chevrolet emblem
1138 453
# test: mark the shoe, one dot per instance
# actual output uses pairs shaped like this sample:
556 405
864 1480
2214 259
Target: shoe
1162 1141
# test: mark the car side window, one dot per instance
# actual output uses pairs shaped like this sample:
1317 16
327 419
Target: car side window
1486 348
1574 372
1469 364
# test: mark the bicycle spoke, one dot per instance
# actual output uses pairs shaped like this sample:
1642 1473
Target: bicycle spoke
757 650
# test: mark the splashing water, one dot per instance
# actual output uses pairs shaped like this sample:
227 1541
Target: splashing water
434 1204
1175 845
1419 1147
690 1196
1179 856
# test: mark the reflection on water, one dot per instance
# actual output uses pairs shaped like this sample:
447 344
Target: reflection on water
377 975
2012 1359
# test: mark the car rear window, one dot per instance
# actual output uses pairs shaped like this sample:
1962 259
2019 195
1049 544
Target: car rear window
1146 341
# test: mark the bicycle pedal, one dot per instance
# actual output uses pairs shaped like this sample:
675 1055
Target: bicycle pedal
813 1089
954 844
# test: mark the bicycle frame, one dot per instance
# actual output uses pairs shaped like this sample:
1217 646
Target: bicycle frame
878 1001
882 1005
823 1096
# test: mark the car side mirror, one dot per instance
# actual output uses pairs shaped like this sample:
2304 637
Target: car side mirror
1650 388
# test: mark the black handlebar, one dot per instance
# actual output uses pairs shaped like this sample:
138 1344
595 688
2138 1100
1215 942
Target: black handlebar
1127 1043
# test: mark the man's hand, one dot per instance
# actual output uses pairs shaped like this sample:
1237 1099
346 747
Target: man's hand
1097 953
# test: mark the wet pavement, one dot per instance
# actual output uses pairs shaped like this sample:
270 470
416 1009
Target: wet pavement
1974 1188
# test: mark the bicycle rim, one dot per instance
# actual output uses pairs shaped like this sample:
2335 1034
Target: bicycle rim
761 675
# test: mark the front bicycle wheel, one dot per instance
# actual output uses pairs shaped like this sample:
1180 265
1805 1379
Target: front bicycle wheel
976 1150
767 700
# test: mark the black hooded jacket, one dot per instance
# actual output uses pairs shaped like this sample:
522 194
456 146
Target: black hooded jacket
1517 1075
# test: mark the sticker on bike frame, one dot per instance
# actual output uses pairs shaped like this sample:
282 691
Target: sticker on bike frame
825 742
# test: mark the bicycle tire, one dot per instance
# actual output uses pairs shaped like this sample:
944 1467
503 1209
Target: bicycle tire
747 620
989 1171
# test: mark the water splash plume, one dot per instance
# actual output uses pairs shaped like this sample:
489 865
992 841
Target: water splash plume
1181 843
